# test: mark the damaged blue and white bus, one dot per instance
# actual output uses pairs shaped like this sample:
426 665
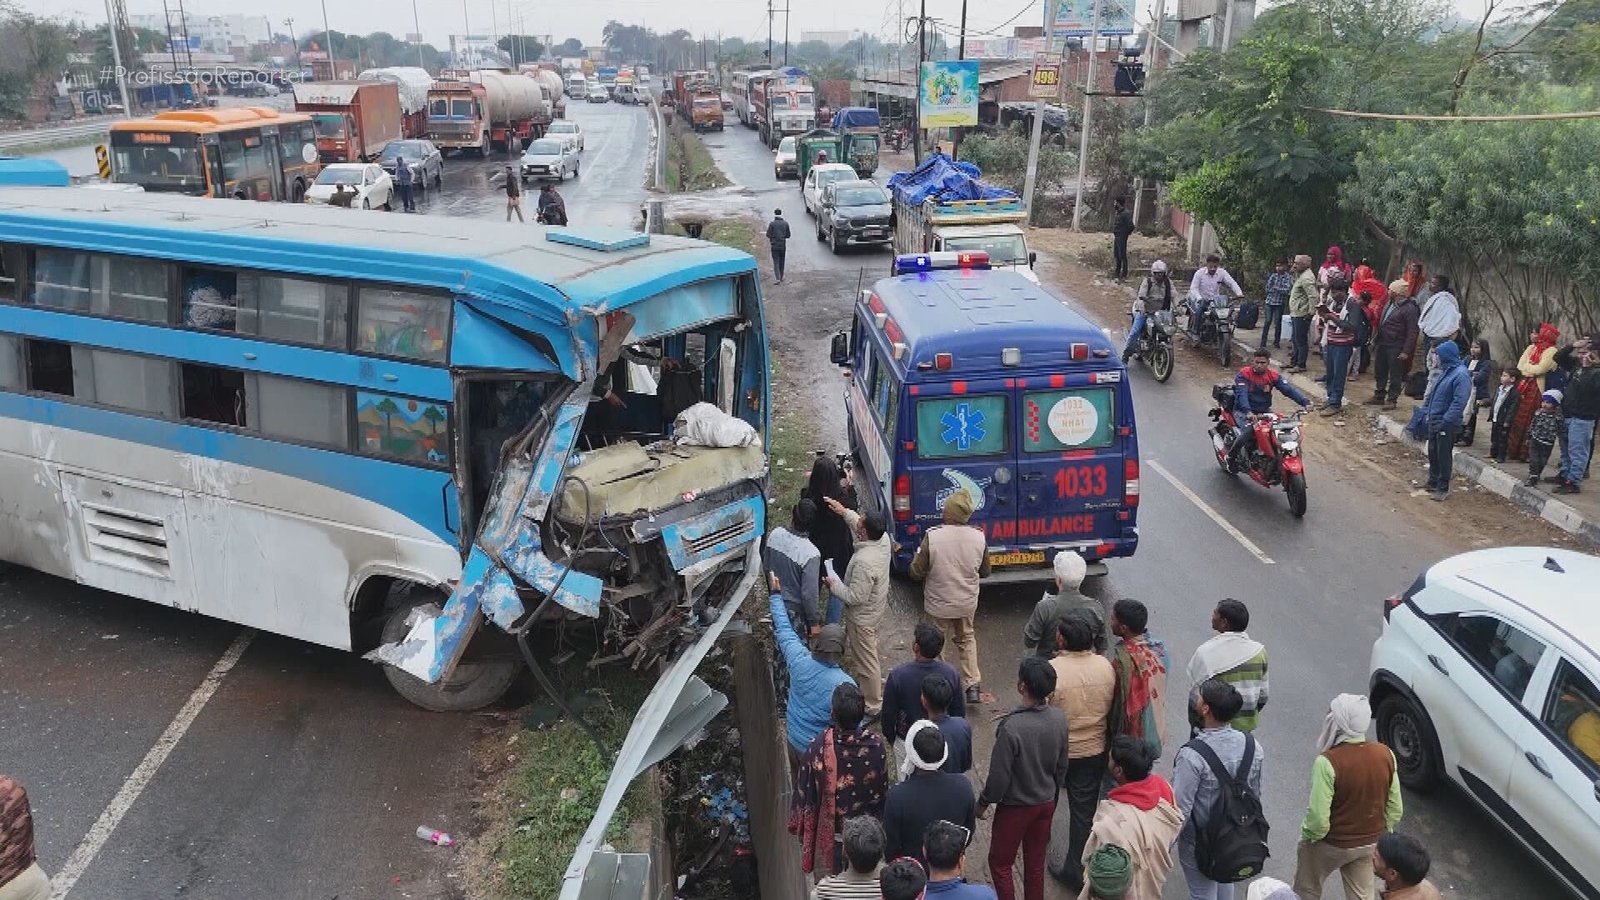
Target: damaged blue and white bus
411 437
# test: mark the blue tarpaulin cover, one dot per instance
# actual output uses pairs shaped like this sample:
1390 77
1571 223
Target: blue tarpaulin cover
855 117
945 179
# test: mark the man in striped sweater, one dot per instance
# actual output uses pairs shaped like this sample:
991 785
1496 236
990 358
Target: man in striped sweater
1232 657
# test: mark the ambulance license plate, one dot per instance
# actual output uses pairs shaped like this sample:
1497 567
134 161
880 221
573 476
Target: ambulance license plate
1017 558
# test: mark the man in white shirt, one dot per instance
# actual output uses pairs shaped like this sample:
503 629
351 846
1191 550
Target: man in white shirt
1206 286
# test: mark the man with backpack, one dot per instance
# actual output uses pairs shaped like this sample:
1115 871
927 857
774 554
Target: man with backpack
1217 779
1355 799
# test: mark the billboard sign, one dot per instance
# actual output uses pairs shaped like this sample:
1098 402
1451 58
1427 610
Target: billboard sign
1075 18
1046 81
947 94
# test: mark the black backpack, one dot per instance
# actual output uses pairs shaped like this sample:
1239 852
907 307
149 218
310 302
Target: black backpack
1249 313
1231 846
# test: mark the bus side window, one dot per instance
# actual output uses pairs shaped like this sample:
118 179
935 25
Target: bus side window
50 367
11 377
212 394
10 272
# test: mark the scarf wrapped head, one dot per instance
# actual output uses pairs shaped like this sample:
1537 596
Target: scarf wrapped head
913 760
958 509
1349 716
1270 889
1416 279
1399 288
1109 871
1543 340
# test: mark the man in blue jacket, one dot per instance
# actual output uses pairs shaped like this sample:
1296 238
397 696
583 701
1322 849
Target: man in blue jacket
1443 410
813 674
1252 396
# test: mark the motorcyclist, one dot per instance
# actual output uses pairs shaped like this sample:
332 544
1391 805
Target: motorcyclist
1252 396
552 209
1154 295
1206 287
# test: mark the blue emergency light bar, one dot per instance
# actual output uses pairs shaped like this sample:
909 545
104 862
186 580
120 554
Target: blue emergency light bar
912 263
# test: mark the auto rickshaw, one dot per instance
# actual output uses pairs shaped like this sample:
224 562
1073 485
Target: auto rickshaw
813 144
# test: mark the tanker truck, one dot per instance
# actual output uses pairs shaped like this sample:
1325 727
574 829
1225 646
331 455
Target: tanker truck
414 84
484 111
554 90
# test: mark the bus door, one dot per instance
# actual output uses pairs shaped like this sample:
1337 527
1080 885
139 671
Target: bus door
962 439
1071 459
273 149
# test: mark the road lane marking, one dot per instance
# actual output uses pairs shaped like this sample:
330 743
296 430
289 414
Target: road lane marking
92 843
1215 516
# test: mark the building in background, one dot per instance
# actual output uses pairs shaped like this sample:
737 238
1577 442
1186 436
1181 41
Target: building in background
834 39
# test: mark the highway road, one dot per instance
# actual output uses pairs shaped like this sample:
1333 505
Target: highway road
1314 586
170 755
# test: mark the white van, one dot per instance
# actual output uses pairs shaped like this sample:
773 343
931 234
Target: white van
576 86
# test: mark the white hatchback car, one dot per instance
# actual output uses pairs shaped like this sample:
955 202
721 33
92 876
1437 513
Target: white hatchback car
568 131
1487 673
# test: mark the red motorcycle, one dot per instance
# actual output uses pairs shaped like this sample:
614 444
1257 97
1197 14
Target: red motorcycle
1273 458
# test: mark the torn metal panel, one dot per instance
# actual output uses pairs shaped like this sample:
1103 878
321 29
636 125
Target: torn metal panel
617 876
648 723
437 638
715 532
696 707
578 591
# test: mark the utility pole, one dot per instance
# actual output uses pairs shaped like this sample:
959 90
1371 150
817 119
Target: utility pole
466 36
769 33
289 24
327 35
417 24
1083 136
114 30
1030 181
786 32
1150 77
916 83
961 53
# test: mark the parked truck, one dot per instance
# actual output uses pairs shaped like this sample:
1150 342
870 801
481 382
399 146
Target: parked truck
785 103
414 84
355 119
484 111
942 205
858 127
685 85
553 89
705 110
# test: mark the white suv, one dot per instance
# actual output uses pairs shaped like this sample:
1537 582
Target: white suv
1486 673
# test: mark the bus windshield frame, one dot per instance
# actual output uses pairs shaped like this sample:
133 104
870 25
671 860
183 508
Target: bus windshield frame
160 161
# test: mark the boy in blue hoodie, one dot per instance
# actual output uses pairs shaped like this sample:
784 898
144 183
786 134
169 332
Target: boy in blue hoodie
1442 412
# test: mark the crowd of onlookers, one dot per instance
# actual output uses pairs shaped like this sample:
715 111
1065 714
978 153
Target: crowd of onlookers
884 800
1543 408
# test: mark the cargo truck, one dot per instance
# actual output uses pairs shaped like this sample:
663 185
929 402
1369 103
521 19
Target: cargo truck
858 129
785 103
355 119
940 207
414 84
705 111
482 113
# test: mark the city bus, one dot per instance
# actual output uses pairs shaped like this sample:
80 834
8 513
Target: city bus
381 439
246 153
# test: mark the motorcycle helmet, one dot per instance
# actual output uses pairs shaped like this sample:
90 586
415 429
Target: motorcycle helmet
1158 267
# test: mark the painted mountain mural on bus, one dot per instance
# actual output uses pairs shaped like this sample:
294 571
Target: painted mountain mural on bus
405 427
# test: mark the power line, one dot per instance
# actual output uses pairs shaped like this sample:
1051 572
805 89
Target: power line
1410 117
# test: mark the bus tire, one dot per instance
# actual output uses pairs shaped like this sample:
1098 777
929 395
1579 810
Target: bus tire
473 685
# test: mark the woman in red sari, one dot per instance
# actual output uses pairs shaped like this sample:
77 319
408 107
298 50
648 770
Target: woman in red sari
1536 361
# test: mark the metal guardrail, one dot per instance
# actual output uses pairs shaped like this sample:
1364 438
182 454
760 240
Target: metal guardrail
54 135
661 143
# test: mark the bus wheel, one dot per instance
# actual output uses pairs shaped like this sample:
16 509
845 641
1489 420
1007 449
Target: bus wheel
478 680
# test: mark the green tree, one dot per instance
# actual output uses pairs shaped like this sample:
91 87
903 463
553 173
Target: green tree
1003 160
36 51
522 48
435 418
570 47
387 408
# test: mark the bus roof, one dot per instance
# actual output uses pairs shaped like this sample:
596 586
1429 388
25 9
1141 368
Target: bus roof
532 282
975 314
198 120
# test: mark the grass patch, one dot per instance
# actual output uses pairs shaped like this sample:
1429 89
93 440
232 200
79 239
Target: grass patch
738 233
689 163
549 793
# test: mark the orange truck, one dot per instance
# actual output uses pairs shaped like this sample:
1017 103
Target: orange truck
705 111
355 119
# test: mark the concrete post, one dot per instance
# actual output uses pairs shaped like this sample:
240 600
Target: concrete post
766 772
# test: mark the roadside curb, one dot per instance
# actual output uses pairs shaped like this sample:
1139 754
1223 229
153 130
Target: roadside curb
1485 474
